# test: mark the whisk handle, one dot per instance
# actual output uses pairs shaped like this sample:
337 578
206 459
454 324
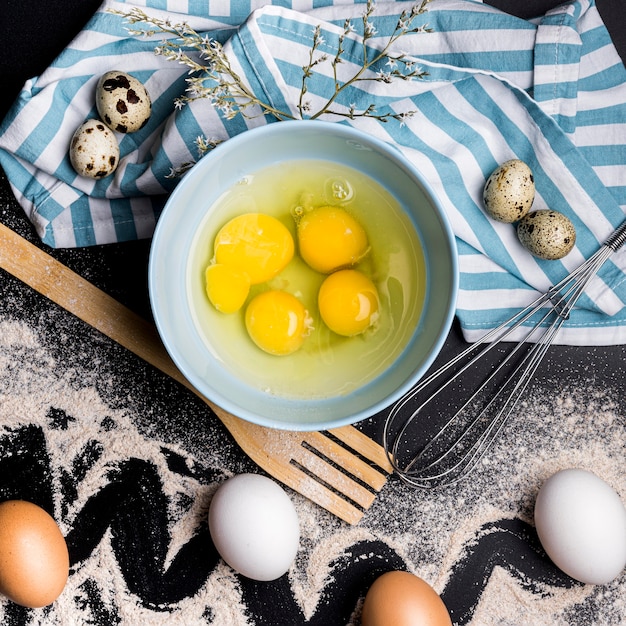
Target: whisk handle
618 238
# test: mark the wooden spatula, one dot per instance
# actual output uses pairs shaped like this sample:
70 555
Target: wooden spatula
314 464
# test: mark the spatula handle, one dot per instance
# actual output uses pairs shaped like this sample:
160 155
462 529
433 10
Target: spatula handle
70 291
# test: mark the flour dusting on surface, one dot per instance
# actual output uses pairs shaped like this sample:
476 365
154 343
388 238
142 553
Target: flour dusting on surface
95 439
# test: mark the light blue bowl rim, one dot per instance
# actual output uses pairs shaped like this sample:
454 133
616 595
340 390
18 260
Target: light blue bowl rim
213 394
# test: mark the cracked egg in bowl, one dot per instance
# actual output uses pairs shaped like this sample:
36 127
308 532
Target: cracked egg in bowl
303 275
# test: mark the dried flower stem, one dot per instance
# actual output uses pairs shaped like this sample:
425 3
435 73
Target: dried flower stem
212 77
398 63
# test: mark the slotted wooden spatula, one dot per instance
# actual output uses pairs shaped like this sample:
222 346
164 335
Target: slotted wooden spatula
314 464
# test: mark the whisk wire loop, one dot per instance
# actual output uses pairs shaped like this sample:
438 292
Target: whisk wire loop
464 439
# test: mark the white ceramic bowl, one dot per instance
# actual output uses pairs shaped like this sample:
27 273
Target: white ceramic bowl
240 380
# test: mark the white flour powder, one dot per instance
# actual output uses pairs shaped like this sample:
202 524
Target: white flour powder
431 531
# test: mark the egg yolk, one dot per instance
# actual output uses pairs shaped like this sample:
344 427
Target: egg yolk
227 287
254 243
348 302
277 322
329 238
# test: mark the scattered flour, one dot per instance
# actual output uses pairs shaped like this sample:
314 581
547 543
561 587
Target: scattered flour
430 531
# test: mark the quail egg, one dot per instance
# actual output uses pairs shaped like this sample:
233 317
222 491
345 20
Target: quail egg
509 192
123 102
547 234
94 151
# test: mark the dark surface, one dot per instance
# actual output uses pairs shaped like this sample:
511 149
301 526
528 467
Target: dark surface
612 12
33 33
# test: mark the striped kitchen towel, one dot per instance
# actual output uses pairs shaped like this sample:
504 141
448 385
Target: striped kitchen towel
550 91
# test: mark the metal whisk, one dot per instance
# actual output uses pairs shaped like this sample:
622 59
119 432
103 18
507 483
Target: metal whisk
458 446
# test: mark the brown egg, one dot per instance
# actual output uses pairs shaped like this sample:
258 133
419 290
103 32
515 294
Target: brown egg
34 562
403 599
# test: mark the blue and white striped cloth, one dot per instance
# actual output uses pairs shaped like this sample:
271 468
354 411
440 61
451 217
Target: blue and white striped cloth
550 91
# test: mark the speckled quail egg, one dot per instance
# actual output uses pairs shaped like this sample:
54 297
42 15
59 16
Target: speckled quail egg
94 151
547 234
509 192
123 102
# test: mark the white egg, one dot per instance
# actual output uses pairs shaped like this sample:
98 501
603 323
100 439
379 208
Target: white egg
581 523
123 102
94 151
547 234
254 526
509 192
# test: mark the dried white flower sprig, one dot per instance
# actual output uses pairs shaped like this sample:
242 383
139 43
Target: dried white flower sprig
212 77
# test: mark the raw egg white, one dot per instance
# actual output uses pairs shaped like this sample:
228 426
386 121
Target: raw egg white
254 526
403 599
581 523
34 561
327 364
